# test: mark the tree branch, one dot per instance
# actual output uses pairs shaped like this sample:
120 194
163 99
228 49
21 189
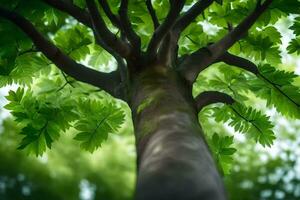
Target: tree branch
165 53
122 68
115 19
107 36
251 67
186 19
243 63
112 17
190 15
68 7
84 17
175 8
238 32
105 81
192 65
133 38
203 57
210 97
152 13
123 71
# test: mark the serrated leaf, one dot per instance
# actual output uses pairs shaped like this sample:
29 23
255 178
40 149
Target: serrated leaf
77 42
261 47
100 58
296 26
294 46
34 140
42 118
278 77
223 151
287 6
248 121
94 129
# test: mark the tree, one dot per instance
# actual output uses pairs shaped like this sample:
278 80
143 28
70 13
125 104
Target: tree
158 58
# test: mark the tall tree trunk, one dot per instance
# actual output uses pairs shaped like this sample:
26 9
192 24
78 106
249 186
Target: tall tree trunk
174 162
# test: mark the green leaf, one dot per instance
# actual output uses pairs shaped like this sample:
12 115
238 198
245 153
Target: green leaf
34 141
100 58
276 87
270 32
94 129
222 151
227 151
261 47
296 26
42 117
15 96
248 121
278 77
287 6
294 46
79 38
51 17
254 123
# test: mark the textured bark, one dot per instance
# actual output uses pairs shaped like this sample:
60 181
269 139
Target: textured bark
174 161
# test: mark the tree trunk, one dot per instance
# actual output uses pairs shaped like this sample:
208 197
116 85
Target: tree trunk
173 159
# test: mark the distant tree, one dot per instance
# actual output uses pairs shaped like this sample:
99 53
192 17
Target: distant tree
160 48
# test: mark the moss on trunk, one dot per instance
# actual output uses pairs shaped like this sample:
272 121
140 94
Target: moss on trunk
174 161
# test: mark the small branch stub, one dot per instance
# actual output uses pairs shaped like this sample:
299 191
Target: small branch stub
211 97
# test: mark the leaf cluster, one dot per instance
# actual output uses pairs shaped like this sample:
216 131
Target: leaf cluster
247 120
44 117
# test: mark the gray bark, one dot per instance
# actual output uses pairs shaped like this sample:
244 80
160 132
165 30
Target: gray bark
174 161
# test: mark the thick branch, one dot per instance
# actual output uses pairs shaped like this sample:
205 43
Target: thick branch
122 69
240 62
133 38
78 71
107 36
67 6
165 54
84 17
202 58
115 19
193 64
210 97
175 8
186 19
152 13
112 17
